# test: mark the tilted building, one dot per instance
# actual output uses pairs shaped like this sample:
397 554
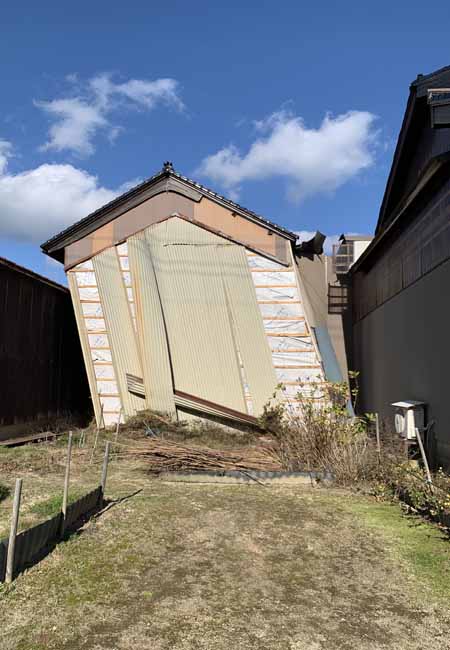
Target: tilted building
189 304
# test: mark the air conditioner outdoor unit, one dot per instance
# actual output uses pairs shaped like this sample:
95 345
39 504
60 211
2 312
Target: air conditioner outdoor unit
409 416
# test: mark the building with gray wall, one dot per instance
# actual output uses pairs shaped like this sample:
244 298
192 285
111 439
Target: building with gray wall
400 305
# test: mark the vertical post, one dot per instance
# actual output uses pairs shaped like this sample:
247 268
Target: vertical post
102 422
105 468
66 483
377 431
13 532
424 458
118 423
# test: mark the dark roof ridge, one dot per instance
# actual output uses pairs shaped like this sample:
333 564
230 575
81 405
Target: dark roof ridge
36 276
425 78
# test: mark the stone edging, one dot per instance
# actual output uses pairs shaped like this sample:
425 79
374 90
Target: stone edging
247 477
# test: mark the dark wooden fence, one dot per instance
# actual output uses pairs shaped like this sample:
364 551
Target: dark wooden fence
42 373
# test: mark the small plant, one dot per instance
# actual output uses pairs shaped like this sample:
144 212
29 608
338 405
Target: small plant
51 506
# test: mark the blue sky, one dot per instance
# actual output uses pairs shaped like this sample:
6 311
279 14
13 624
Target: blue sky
292 108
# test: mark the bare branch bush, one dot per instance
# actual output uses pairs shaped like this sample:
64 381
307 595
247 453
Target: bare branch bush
317 431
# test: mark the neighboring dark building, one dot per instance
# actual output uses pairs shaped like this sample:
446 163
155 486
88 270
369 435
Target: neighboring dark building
42 372
400 284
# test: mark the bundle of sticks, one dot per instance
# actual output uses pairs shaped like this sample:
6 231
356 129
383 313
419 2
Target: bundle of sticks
164 455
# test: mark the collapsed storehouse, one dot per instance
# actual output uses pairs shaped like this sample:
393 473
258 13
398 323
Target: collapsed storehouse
401 316
43 375
189 304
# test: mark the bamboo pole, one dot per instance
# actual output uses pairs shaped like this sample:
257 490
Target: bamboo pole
13 532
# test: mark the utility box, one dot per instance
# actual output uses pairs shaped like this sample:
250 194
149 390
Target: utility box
409 416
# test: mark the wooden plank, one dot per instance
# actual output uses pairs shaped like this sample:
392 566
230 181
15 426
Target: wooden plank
32 437
286 335
280 270
303 383
289 350
296 367
288 318
279 302
274 286
108 394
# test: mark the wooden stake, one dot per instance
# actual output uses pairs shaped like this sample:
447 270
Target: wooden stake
424 458
105 468
102 421
66 483
118 423
377 431
13 532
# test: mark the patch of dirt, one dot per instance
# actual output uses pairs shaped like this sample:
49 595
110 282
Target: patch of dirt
185 566
216 567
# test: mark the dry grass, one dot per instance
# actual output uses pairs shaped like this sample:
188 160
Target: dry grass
181 566
198 432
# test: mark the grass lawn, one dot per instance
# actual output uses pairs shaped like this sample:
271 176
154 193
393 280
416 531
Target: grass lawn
184 566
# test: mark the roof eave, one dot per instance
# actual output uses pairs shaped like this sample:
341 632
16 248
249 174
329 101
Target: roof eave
53 246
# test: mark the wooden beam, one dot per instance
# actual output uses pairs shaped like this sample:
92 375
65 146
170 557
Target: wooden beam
275 286
296 367
286 334
288 318
280 270
279 302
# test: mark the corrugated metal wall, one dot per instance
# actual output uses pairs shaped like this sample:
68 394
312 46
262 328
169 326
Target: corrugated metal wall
42 370
184 309
151 329
119 326
189 275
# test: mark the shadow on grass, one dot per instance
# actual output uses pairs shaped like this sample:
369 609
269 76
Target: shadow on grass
45 537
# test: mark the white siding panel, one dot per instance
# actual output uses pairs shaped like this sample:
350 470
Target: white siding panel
92 309
101 355
276 293
98 341
89 293
85 278
274 277
95 324
283 310
104 372
119 326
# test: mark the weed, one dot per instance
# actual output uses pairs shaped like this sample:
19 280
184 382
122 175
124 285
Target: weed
53 504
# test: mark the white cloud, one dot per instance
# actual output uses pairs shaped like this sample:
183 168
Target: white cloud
311 160
144 93
5 153
37 203
76 125
78 119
